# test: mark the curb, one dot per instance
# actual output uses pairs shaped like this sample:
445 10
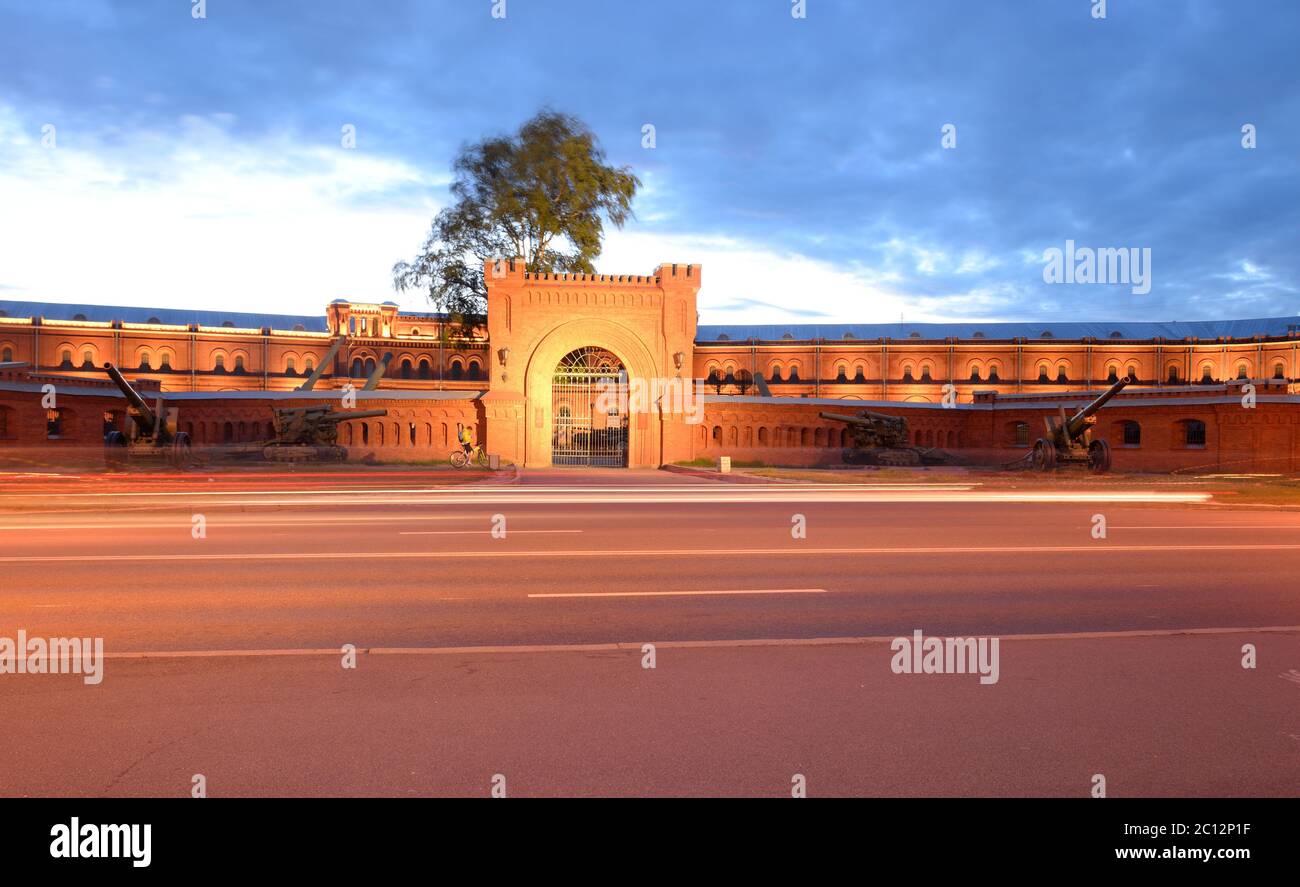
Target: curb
716 476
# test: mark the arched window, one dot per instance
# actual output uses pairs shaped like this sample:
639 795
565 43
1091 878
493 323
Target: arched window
1173 374
457 370
1279 371
1112 374
993 372
1042 373
794 373
424 368
1131 434
289 366
7 354
309 364
239 363
1132 373
907 373
1020 434
164 361
406 368
1206 375
474 370
842 373
1243 371
65 359
87 359
145 360
219 363
859 374
776 372
1061 375
975 374
925 373
1193 433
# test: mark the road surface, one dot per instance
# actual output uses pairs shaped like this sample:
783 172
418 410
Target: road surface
501 630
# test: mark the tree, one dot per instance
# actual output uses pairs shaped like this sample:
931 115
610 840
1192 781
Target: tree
542 195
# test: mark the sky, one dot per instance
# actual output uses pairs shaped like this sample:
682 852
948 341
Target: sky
152 157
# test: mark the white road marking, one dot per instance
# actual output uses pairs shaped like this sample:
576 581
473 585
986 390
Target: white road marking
1295 526
1090 550
474 532
680 593
635 646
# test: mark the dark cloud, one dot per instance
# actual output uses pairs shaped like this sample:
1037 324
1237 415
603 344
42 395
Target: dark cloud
818 137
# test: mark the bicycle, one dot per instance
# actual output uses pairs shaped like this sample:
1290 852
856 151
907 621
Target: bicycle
459 458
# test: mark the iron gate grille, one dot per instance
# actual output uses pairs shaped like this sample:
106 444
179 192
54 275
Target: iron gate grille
588 404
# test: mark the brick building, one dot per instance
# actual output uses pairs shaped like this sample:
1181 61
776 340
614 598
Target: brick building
553 379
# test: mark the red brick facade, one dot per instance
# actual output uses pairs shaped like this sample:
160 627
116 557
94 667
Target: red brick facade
225 381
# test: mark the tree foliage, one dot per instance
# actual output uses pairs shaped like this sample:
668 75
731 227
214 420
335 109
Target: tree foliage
542 194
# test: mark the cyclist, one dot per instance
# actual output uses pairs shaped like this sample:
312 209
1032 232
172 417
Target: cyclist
466 438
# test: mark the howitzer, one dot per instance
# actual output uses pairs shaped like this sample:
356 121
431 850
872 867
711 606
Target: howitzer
873 429
148 432
1069 439
304 434
879 439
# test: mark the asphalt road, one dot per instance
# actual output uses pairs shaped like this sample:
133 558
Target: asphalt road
500 629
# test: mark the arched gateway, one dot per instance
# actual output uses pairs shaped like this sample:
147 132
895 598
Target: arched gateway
569 353
589 410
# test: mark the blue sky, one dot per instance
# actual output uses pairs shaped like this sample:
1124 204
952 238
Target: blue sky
198 162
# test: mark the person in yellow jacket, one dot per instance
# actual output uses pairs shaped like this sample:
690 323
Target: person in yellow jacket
466 438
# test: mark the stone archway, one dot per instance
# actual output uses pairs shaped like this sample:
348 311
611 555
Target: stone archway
643 439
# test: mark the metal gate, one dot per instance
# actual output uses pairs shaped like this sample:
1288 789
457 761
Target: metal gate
589 410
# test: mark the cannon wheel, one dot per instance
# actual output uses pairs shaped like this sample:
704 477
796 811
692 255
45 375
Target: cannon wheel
115 449
1044 455
180 454
1099 456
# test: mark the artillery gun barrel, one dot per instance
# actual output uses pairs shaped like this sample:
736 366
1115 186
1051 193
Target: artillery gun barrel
841 417
1079 419
326 361
382 367
147 416
344 415
864 417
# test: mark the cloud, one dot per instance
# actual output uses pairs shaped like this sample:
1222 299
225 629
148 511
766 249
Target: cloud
195 216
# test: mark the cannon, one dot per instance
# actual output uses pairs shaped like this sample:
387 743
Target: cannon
881 440
1069 440
150 433
310 434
